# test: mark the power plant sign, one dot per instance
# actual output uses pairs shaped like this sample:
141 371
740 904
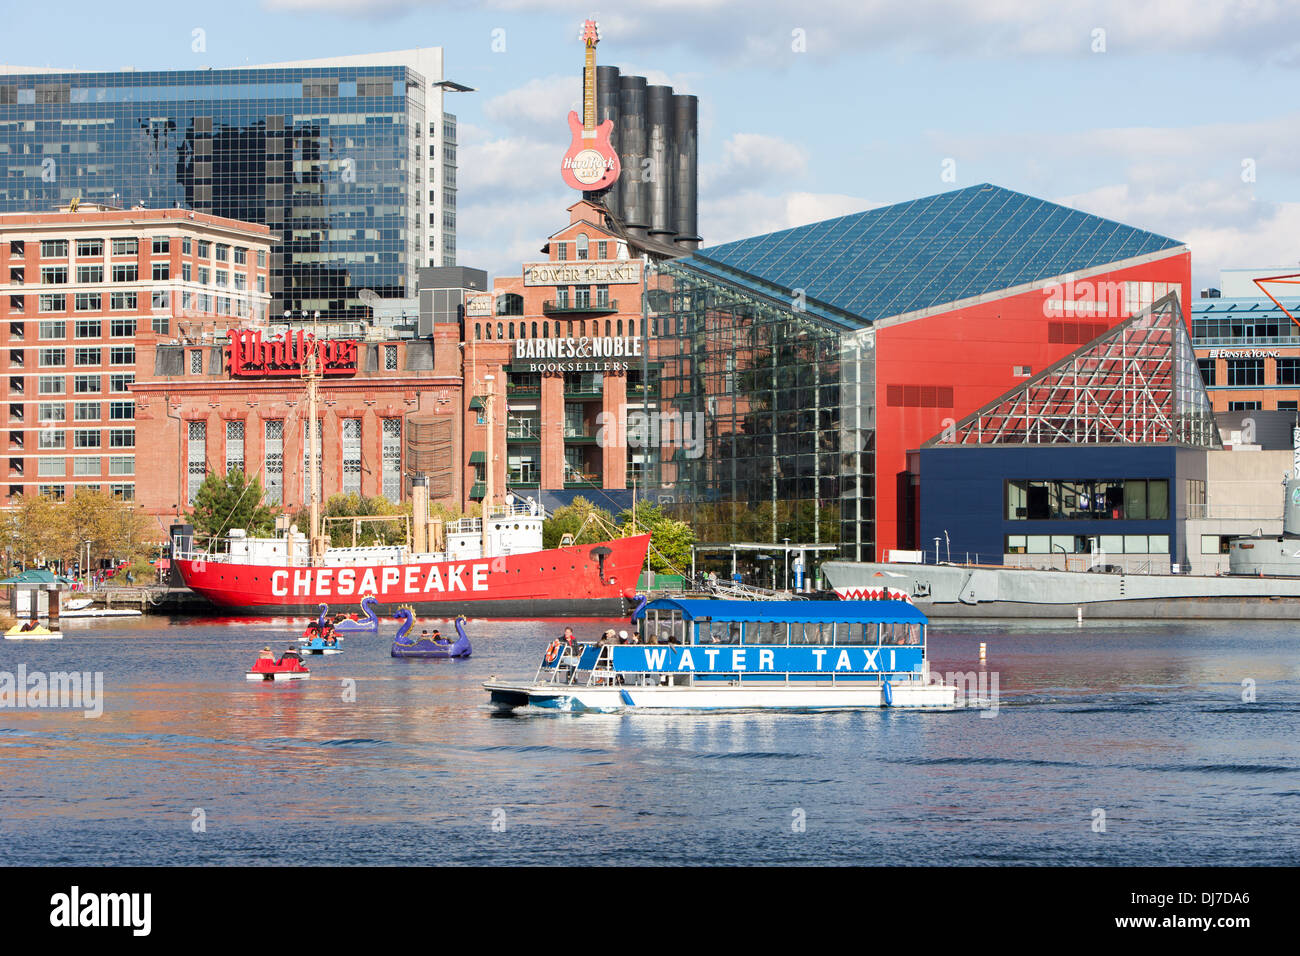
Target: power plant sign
591 162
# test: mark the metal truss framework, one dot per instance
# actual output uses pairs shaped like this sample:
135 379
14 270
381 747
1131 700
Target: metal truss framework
1136 384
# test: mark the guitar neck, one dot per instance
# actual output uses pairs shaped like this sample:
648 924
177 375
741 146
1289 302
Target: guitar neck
589 91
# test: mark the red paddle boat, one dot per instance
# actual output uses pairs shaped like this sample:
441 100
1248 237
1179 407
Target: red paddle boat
288 667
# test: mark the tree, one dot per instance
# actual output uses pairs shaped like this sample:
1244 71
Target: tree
231 501
367 532
572 519
41 529
670 539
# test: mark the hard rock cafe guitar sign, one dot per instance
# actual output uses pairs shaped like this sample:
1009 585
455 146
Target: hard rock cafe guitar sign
591 163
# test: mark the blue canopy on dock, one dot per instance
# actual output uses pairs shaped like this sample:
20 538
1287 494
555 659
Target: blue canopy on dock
36 576
806 612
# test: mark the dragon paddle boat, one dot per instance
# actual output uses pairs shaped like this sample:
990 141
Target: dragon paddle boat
435 646
288 667
743 655
353 626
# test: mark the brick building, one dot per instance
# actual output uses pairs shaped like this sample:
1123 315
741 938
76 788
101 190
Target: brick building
90 292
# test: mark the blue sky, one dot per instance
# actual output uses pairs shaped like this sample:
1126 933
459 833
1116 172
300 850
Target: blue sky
1177 116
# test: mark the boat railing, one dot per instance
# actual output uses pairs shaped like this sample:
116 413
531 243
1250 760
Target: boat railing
469 525
734 591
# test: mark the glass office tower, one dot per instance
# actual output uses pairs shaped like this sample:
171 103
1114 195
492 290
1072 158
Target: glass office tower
333 158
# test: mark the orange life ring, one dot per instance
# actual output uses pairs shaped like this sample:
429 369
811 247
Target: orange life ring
552 652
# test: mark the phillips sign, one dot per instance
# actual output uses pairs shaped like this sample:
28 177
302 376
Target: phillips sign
248 354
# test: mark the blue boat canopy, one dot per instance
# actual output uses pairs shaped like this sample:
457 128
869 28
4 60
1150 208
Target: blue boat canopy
805 612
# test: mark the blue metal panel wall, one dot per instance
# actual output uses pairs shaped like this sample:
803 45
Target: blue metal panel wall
962 493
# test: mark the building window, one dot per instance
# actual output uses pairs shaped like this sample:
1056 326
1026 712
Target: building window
273 460
205 249
124 492
50 412
1288 371
121 465
53 303
88 466
561 299
234 446
86 411
241 256
122 437
51 438
1086 499
161 324
161 245
1244 406
52 358
161 271
1287 406
54 248
91 356
86 438
121 381
352 456
121 411
185 246
54 275
88 302
121 328
125 247
52 329
561 251
122 355
582 297
196 458
582 245
1245 372
390 358
126 273
50 385
1207 367
123 302
51 491
602 249
51 467
196 361
89 248
223 252
88 329
87 384
90 275
391 459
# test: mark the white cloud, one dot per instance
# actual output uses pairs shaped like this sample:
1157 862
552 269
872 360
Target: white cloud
761 31
539 106
751 213
751 160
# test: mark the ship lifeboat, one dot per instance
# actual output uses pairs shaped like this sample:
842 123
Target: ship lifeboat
288 667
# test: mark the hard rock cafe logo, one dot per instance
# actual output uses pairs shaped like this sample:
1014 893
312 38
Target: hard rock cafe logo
589 166
247 354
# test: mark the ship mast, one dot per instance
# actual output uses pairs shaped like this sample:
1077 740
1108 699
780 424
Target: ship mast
487 470
311 374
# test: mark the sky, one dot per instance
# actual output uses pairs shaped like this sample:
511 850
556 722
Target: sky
1177 116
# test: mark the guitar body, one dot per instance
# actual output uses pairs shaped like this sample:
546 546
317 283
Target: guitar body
591 162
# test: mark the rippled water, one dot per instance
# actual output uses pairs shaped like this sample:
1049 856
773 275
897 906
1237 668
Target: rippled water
1144 721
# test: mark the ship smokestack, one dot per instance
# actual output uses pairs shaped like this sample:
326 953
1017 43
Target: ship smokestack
420 514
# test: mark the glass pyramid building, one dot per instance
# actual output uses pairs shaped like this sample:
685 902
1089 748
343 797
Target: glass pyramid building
1136 384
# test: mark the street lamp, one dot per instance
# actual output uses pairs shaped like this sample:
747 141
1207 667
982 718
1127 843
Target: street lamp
787 563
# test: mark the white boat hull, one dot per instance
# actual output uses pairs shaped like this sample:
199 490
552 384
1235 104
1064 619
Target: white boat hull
253 675
568 697
33 637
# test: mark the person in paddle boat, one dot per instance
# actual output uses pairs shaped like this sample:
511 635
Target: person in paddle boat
265 654
290 655
437 637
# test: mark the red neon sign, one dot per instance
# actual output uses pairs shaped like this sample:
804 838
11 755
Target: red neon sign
248 354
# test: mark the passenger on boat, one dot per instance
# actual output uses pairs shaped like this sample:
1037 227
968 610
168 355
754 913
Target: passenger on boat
623 638
30 625
570 640
290 655
265 655
437 636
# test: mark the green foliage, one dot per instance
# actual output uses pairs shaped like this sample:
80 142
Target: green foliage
231 501
670 539
570 518
367 532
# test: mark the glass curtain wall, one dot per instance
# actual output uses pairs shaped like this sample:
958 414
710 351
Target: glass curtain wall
766 423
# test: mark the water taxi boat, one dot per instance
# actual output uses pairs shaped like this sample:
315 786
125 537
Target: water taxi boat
729 655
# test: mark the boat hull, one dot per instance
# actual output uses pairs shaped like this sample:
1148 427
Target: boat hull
277 676
566 697
597 580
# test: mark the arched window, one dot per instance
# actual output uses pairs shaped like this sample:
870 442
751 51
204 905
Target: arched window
631 327
557 328
512 329
478 330
620 327
582 245
607 332
582 326
501 330
546 329
534 330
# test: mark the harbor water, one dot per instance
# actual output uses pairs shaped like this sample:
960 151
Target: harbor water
1142 743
